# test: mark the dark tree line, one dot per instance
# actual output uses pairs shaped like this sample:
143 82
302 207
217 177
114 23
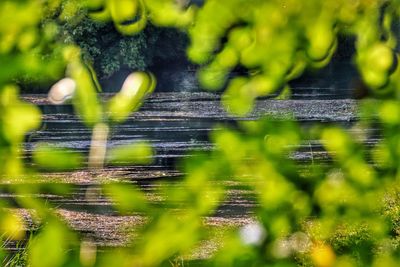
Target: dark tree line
109 52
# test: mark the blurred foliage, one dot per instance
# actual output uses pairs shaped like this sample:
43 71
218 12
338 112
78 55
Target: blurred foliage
276 41
339 212
330 214
130 17
57 159
102 47
128 100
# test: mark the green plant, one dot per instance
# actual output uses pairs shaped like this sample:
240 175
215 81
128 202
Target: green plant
277 41
337 214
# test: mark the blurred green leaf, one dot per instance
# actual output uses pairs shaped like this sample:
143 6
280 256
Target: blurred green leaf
127 198
12 226
138 153
17 117
48 157
50 247
123 12
135 89
85 101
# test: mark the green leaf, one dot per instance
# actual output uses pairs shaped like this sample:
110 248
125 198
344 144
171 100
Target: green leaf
139 153
49 248
135 89
51 158
85 100
126 198
124 11
17 116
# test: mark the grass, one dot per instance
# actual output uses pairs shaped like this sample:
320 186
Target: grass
18 258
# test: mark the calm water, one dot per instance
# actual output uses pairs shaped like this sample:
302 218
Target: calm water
175 123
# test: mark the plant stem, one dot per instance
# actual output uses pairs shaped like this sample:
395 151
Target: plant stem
98 146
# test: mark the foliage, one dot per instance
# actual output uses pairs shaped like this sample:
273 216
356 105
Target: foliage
105 48
109 50
278 47
130 17
333 214
341 213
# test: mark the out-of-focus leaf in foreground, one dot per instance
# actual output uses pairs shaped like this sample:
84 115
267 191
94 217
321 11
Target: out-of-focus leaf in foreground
50 158
138 153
